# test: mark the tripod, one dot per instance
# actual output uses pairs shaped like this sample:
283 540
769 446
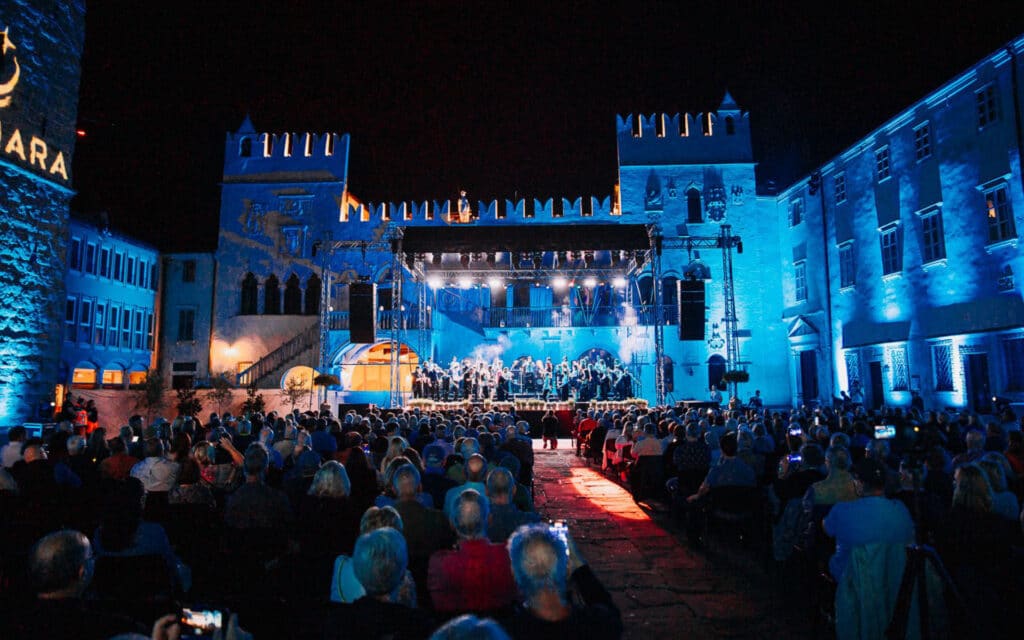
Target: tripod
915 575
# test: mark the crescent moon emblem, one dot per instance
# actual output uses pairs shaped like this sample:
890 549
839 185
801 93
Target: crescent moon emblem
7 87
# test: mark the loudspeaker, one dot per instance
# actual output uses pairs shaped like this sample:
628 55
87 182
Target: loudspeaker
691 309
362 312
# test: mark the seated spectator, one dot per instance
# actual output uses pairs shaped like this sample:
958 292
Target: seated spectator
118 466
327 520
379 562
745 452
504 516
190 488
254 505
729 472
871 519
79 464
798 472
362 476
476 470
469 627
219 461
838 485
975 441
544 567
1015 452
35 474
11 452
1004 502
123 532
156 472
60 569
426 529
345 587
477 576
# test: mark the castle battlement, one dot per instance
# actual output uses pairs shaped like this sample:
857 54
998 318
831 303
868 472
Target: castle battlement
720 136
457 211
252 154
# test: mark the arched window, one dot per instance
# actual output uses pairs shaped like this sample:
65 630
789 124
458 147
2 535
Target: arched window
730 126
292 296
716 371
271 296
250 294
645 286
313 295
245 148
693 210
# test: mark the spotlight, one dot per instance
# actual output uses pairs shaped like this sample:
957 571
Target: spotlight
434 282
538 259
590 283
465 282
588 258
494 282
492 258
464 259
558 283
563 257
619 282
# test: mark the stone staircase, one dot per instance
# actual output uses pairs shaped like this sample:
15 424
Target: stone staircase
302 349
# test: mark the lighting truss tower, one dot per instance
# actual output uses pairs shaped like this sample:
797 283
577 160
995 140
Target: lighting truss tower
732 347
659 324
422 319
397 276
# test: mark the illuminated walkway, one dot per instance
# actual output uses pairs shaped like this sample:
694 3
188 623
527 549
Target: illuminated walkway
663 588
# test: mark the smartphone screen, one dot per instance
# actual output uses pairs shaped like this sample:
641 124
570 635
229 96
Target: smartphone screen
200 622
885 432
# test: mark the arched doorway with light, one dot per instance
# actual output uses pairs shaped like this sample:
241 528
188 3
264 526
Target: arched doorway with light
368 368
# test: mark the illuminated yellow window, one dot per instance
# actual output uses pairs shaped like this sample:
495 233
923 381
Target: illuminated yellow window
113 377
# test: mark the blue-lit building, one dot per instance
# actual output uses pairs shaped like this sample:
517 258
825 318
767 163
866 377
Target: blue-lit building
40 48
888 270
899 255
110 308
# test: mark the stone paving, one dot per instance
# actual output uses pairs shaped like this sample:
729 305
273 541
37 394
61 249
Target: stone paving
664 587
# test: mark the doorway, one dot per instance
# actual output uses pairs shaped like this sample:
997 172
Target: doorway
877 389
809 377
977 382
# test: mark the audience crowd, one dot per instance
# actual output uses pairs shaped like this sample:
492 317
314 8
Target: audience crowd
305 525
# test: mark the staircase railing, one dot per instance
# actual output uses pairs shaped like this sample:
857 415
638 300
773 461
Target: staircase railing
268 363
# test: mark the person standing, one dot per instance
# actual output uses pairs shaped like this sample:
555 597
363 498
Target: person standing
549 429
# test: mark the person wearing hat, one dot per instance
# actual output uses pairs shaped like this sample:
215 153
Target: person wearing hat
871 519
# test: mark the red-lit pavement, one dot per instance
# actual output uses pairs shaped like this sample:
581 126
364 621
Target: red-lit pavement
664 588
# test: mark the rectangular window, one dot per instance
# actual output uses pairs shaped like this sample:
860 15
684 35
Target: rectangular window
933 243
85 321
985 99
243 365
154 277
130 271
882 169
188 271
840 187
99 336
923 142
796 212
847 266
892 257
70 316
117 272
942 363
75 254
149 331
113 377
126 329
800 278
900 372
184 367
1000 215
105 262
90 258
1013 357
186 325
143 273
139 330
112 326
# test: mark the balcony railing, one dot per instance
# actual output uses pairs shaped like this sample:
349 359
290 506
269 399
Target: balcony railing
339 320
524 317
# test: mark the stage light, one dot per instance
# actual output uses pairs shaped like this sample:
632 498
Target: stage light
558 283
434 282
492 258
436 257
590 283
464 259
562 257
465 282
588 258
619 282
494 282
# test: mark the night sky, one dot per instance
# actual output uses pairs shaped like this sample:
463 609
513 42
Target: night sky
514 98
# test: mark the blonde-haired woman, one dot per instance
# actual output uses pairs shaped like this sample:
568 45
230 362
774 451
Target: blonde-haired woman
328 522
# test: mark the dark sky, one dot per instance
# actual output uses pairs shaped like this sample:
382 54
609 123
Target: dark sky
516 97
